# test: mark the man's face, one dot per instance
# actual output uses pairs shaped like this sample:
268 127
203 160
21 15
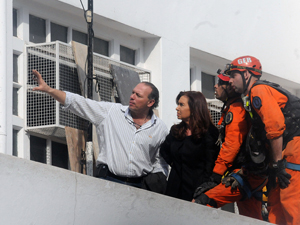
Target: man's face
139 100
236 82
220 88
219 92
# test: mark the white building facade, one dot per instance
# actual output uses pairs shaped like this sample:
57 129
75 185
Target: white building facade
181 44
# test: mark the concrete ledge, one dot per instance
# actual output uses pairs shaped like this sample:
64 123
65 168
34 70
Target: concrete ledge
35 193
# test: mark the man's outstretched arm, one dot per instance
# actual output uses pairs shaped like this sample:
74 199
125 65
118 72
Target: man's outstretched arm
58 95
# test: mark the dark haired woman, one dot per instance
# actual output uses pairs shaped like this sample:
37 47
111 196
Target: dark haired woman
190 147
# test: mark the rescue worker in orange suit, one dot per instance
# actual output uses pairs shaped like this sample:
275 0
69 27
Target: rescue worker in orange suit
234 129
275 120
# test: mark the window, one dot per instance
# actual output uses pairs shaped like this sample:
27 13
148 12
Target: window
79 37
15 101
101 46
15 142
59 32
37 29
208 82
15 89
60 155
15 68
38 149
127 55
15 22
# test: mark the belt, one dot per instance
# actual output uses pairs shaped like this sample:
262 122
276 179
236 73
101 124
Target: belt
103 172
126 179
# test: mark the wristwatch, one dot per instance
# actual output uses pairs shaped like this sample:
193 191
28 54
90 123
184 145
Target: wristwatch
281 162
275 165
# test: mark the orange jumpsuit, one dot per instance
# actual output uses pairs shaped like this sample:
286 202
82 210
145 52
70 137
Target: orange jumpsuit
235 133
283 204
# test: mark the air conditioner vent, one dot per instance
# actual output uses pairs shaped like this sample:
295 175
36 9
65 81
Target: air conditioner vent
215 107
56 62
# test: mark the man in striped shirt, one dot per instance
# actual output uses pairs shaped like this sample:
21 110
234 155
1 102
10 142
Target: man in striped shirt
129 137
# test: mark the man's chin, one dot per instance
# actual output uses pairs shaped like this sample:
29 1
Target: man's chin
236 90
132 108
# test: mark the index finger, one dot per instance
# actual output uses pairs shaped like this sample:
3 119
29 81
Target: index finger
36 73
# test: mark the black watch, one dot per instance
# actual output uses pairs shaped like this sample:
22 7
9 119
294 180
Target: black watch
280 163
275 165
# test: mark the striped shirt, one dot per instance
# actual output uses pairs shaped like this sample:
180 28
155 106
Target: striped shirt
128 152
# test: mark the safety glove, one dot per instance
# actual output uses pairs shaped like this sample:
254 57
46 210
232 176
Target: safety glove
232 181
282 176
214 180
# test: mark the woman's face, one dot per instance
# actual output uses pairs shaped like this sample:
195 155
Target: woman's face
183 109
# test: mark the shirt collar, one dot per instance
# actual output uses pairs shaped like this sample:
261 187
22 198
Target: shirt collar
126 111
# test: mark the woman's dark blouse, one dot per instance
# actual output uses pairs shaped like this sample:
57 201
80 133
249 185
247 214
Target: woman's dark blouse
191 162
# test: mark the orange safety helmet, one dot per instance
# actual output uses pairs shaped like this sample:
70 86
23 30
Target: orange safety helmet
223 77
244 63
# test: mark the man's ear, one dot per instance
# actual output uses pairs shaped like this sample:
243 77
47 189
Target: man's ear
151 103
247 75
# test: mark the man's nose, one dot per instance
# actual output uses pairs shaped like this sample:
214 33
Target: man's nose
132 96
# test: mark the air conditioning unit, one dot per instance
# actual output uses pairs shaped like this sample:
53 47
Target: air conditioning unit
56 62
215 107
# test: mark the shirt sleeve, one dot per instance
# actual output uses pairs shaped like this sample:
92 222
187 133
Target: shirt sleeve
268 106
235 134
88 109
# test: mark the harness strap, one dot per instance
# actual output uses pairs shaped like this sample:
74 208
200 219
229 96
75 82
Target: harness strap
257 193
243 184
292 166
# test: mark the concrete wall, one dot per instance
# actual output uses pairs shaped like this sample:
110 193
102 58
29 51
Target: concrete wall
34 193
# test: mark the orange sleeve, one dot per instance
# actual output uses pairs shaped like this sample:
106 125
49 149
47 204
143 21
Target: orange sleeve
269 109
235 133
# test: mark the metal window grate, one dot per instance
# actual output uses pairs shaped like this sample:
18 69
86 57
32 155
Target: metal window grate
41 107
55 61
102 71
215 107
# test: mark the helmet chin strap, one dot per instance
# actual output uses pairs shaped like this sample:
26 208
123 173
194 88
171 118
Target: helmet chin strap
227 96
226 93
245 85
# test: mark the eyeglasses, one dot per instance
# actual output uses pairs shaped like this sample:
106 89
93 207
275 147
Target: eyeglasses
137 126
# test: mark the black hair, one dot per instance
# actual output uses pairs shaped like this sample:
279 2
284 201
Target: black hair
153 95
